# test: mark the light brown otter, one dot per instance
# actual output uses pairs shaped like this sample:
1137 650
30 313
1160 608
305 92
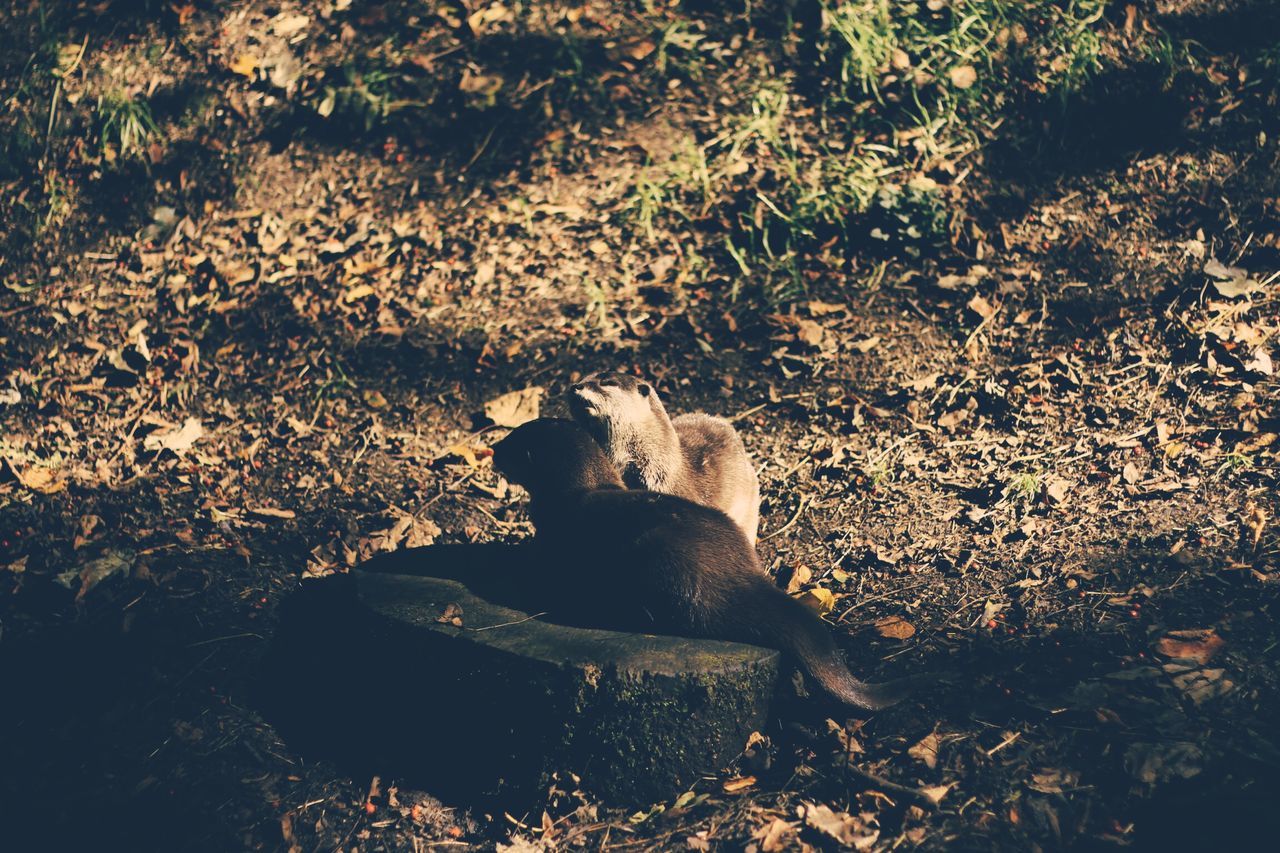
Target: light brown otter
695 456
645 561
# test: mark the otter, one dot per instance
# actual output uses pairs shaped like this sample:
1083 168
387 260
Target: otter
657 563
695 456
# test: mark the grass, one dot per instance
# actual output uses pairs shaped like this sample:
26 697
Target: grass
902 90
125 126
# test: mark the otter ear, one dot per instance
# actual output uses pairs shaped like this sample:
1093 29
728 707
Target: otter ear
644 390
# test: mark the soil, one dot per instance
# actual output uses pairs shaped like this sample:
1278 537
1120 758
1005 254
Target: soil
1041 459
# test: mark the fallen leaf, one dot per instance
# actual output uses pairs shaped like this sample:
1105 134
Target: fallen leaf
639 50
179 440
821 309
819 600
452 615
514 408
1053 780
1157 762
775 836
1230 282
245 64
926 750
741 783
286 25
1056 492
895 628
374 399
800 576
809 332
271 512
1255 521
1201 645
935 793
981 306
43 480
1260 363
85 531
96 571
963 76
843 827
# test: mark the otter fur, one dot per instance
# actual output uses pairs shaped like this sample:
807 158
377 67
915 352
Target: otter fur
644 561
698 457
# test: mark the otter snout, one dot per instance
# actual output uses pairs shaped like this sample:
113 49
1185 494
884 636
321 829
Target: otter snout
585 397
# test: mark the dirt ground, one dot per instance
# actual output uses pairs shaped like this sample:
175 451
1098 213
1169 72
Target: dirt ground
1040 455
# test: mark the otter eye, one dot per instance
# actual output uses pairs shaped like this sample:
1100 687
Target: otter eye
644 390
608 383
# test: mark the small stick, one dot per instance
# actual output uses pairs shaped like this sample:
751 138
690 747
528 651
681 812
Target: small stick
914 795
804 504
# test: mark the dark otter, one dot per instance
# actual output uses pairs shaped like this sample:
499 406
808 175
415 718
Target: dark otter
645 561
695 456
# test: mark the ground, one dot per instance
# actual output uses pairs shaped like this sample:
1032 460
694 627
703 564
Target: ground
991 292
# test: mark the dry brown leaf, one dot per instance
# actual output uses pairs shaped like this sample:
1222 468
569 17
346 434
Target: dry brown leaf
800 576
515 408
963 76
96 571
809 332
43 480
981 306
1255 521
1199 645
895 628
179 439
926 750
741 783
452 615
843 827
775 836
1056 492
935 793
271 512
822 309
638 50
355 294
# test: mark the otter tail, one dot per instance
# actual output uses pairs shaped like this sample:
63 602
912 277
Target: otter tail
785 624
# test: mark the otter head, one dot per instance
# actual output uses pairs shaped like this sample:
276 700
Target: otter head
550 455
611 404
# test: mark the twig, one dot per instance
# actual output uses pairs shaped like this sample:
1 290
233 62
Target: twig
505 624
914 795
804 504
1010 739
748 413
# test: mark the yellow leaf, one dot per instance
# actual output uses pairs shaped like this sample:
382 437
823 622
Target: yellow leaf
246 64
355 294
819 600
